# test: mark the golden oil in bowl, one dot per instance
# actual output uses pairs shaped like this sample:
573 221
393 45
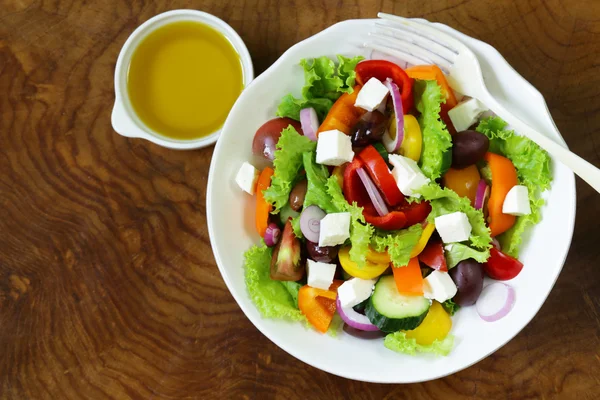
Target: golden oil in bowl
183 79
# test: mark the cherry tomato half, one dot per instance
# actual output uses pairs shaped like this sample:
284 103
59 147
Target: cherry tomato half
501 266
267 136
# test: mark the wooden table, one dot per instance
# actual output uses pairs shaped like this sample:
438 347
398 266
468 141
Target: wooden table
108 287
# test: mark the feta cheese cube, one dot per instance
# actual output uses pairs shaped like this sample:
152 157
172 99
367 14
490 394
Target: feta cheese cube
439 286
407 174
516 201
453 227
320 275
466 113
372 95
334 148
355 291
334 229
246 177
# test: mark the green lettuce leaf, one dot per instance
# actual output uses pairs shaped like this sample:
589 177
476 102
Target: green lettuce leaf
272 298
316 192
296 227
457 252
288 163
436 155
293 288
533 170
446 201
398 342
324 82
399 244
360 231
451 307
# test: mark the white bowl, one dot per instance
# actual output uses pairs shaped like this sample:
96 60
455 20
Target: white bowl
231 216
124 119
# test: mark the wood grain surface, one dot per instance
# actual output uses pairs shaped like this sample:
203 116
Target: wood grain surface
108 286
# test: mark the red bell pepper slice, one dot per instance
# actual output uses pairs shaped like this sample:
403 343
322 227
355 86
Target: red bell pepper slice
382 69
501 266
433 256
399 217
381 175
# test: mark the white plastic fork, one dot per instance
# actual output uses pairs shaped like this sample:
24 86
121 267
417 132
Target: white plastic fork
421 43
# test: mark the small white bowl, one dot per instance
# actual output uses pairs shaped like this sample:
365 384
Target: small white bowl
125 121
230 214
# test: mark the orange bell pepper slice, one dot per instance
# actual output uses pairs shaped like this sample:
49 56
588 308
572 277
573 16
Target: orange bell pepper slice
343 115
408 279
504 177
433 73
318 305
263 207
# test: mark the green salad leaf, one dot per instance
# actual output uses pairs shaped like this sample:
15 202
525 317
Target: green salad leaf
360 231
446 201
324 82
287 165
533 170
451 307
399 244
457 252
293 288
436 155
398 342
272 298
316 192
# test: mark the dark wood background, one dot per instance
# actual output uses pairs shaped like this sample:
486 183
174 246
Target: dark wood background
108 287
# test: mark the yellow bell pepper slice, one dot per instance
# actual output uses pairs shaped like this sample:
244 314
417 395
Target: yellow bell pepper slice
436 325
420 246
378 257
369 271
413 139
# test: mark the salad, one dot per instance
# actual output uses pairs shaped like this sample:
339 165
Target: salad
387 199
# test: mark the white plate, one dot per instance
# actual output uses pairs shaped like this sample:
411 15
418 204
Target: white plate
231 222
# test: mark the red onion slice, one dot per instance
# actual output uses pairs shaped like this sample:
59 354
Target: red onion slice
354 319
496 244
309 122
483 191
393 145
310 223
373 192
272 234
496 301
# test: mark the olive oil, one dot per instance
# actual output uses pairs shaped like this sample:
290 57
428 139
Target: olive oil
183 79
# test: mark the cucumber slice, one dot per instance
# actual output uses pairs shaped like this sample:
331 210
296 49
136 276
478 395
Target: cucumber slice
392 311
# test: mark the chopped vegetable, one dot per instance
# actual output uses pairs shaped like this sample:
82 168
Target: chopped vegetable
382 70
436 156
354 319
286 262
343 114
287 163
451 307
457 252
398 244
310 123
324 83
435 326
310 222
501 266
433 256
381 175
398 342
533 170
409 280
504 177
463 181
318 305
272 298
369 270
413 139
496 301
263 207
391 310
316 191
394 137
425 235
272 234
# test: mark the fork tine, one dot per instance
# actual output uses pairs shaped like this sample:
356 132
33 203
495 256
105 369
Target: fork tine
409 58
426 31
427 44
402 44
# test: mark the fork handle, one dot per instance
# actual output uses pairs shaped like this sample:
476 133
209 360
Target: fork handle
586 171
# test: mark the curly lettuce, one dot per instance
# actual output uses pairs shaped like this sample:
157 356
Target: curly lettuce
324 82
274 299
436 155
446 201
533 171
399 244
287 165
360 231
451 307
398 342
457 252
316 192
